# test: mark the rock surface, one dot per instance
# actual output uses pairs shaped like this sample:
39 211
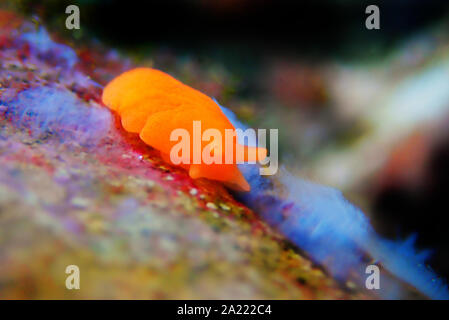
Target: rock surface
76 189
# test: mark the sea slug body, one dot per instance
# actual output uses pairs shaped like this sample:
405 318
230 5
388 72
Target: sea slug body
153 104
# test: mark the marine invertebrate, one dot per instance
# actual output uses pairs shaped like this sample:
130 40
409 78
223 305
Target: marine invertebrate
153 104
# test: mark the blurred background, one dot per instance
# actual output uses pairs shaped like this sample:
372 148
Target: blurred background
365 111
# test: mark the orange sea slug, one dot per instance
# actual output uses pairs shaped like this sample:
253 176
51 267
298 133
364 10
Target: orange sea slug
152 104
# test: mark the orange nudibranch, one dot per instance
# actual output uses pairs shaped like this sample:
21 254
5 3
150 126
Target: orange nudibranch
153 104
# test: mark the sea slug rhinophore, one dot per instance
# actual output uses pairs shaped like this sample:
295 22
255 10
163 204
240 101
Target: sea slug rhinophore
153 104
